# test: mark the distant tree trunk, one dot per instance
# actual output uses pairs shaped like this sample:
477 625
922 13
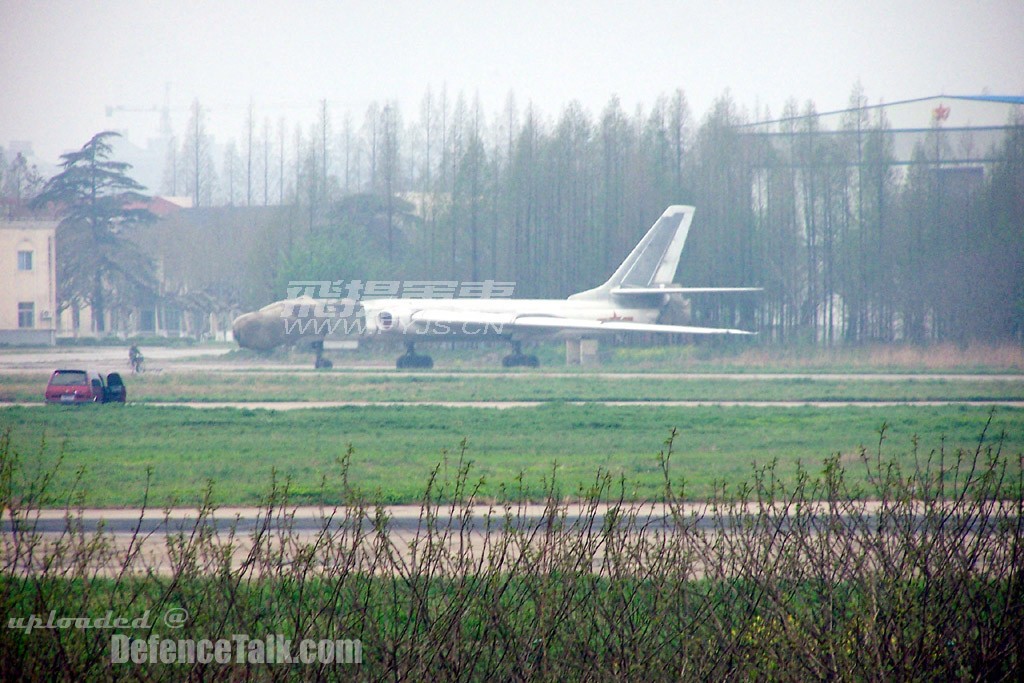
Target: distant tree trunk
197 151
389 166
249 126
325 126
98 305
280 162
266 161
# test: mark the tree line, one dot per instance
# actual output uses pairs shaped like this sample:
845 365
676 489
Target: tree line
851 243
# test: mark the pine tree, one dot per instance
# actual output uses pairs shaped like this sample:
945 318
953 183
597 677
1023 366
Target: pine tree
97 263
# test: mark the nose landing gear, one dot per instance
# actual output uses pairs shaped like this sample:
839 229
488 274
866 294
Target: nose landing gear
321 363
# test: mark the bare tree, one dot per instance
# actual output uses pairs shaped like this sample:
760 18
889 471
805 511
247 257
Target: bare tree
197 148
250 126
390 166
281 128
266 161
232 169
19 182
324 127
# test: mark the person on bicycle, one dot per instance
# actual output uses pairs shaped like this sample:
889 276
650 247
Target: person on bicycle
135 358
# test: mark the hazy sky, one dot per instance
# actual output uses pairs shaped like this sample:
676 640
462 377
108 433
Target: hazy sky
62 62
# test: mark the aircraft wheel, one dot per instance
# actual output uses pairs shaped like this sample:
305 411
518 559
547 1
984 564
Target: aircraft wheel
414 360
520 360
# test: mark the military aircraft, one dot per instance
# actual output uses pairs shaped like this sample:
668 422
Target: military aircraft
632 300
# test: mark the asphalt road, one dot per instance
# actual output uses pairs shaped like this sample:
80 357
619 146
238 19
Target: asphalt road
403 519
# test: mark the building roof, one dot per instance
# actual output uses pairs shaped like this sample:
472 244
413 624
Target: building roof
28 224
162 206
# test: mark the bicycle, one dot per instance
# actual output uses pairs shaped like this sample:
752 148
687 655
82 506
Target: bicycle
136 360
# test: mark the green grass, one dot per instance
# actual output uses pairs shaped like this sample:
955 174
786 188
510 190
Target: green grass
521 386
742 357
395 448
707 355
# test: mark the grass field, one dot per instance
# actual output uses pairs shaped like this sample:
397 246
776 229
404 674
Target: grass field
739 356
395 448
744 357
721 355
928 588
732 355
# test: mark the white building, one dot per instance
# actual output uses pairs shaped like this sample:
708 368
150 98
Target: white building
28 282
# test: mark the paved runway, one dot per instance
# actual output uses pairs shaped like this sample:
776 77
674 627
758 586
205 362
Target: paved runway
208 360
401 518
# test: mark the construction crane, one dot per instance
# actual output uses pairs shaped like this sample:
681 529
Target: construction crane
166 131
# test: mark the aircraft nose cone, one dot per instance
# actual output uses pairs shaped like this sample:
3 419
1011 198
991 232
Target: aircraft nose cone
239 329
258 330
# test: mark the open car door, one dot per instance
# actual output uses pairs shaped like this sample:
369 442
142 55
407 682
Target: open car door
115 390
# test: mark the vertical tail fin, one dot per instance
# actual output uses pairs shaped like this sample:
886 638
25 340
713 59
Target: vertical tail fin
654 260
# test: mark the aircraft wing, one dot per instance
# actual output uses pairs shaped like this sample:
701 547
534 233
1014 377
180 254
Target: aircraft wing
672 289
444 316
609 326
510 323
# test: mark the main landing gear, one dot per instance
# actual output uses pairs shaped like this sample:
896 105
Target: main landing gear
321 363
415 361
518 359
411 359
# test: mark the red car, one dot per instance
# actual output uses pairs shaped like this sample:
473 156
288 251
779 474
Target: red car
85 386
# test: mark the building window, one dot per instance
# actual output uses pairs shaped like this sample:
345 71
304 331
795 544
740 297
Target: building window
24 260
26 314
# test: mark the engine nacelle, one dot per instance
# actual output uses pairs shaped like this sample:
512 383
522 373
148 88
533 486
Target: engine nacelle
389 320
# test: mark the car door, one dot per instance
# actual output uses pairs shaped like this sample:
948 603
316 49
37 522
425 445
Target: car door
116 391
